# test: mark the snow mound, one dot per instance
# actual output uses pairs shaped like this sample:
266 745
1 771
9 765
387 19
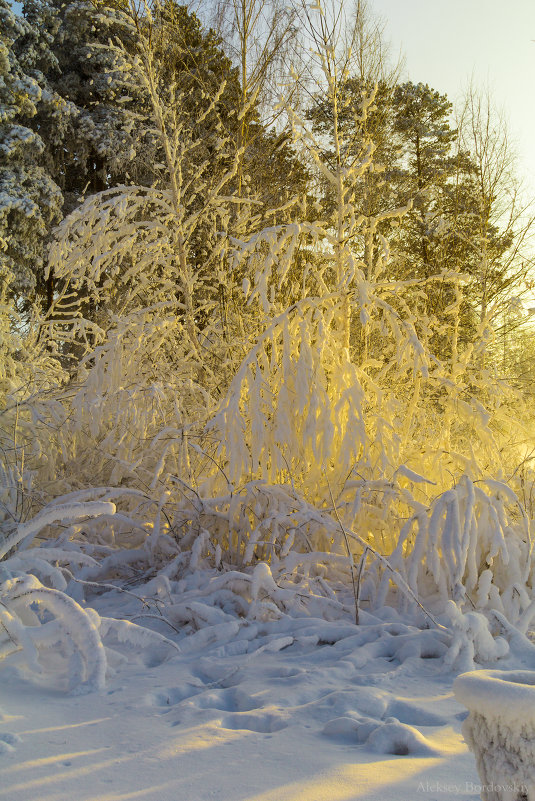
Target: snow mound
383 737
502 695
500 730
393 737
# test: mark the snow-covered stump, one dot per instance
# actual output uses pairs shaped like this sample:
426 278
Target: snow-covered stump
500 730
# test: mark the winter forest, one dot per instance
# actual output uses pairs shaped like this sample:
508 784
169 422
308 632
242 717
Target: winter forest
266 358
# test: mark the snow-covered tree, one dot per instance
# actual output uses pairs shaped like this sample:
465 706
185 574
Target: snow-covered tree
95 144
343 381
422 122
30 200
368 73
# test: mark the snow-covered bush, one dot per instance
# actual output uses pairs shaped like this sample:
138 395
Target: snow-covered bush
54 632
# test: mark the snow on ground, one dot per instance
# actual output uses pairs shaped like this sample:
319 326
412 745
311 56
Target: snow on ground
295 709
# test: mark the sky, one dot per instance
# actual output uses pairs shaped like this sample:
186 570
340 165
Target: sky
446 43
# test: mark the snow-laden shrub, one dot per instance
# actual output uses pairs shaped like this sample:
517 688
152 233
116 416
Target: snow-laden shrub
301 451
258 553
129 409
42 618
33 616
470 546
29 382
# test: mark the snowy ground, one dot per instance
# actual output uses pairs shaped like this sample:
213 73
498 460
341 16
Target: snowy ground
290 710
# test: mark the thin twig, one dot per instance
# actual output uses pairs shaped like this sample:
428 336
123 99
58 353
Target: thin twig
350 555
155 617
103 585
359 577
400 581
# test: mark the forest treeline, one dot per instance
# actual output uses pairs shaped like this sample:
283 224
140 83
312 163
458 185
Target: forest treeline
91 91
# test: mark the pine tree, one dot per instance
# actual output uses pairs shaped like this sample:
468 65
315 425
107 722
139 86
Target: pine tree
422 124
109 137
101 140
435 243
30 200
162 242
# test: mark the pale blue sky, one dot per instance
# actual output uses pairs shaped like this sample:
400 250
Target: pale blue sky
446 42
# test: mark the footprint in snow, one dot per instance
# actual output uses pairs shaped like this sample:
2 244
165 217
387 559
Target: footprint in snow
265 724
229 700
8 742
282 672
226 700
172 695
209 671
362 700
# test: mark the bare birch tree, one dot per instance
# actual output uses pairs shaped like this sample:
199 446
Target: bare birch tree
506 217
